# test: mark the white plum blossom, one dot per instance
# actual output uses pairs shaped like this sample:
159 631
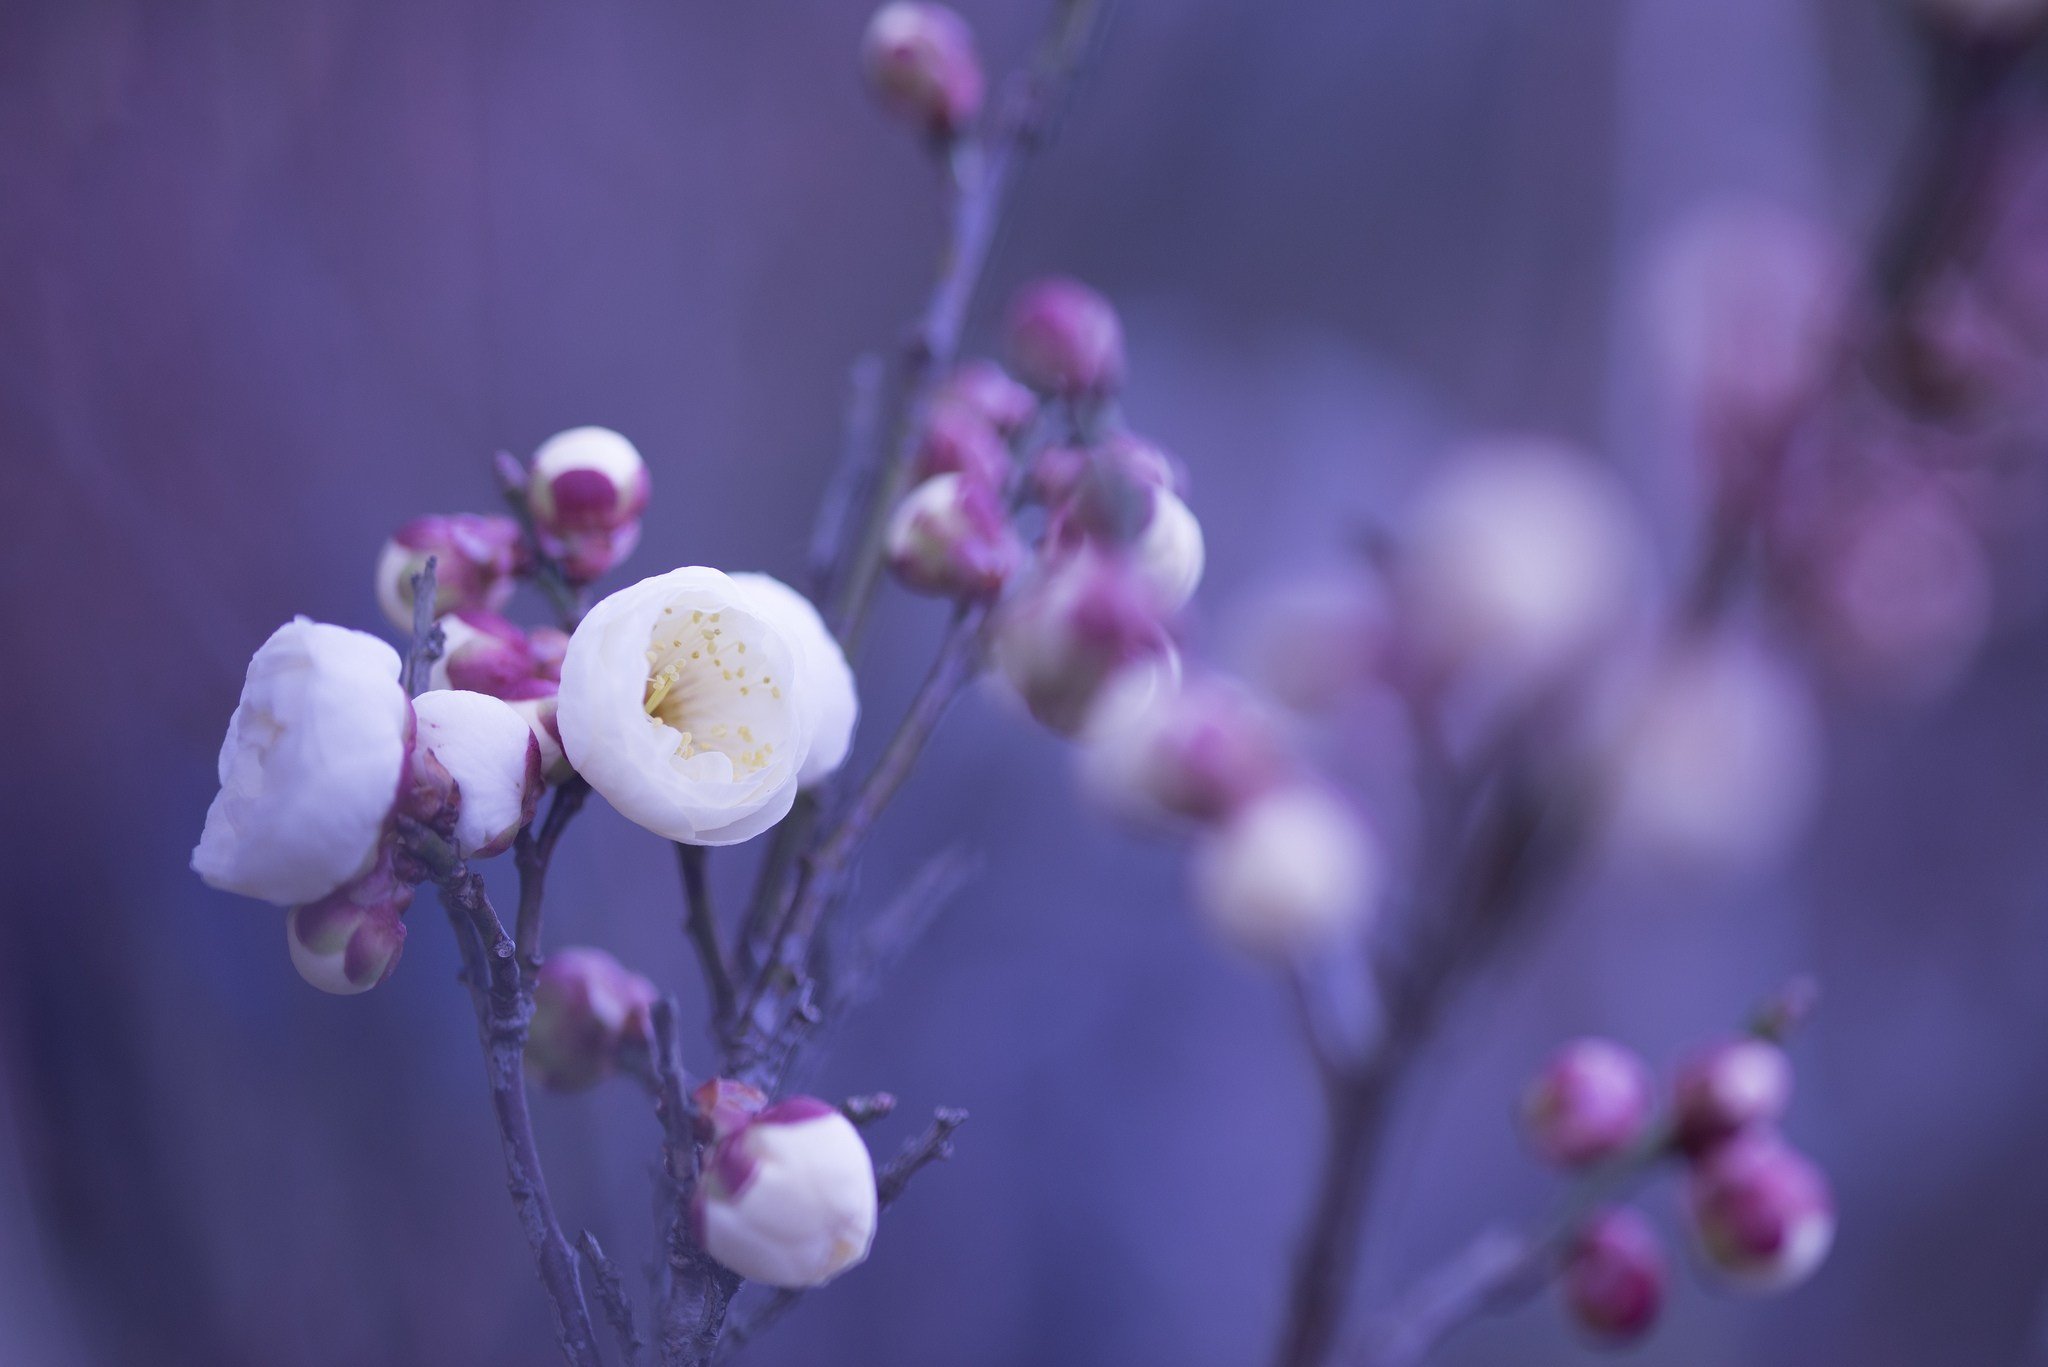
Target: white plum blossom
1292 873
310 768
825 689
684 702
490 751
788 1199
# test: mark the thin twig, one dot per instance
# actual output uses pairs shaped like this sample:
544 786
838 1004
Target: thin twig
853 477
427 640
696 1291
611 1294
700 923
546 572
532 853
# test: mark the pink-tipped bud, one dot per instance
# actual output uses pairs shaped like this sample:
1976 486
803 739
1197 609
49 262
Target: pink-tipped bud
475 559
588 1010
350 940
985 388
484 653
1085 620
587 479
950 538
1293 873
1763 1212
1591 1102
1200 752
1065 340
1735 1085
920 62
1142 462
586 557
958 440
1123 503
488 750
1614 1276
788 1197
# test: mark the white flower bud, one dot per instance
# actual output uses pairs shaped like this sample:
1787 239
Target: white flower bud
950 537
1156 752
1521 556
920 62
788 1199
491 753
311 766
1292 873
587 479
689 703
825 689
1169 553
350 940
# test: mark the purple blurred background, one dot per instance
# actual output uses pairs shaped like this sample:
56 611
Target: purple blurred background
275 276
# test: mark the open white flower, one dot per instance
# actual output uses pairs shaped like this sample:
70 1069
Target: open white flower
683 702
310 767
824 681
490 752
789 1198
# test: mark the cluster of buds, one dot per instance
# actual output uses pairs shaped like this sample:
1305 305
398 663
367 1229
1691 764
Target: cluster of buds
591 1015
786 1196
1760 1212
477 562
952 536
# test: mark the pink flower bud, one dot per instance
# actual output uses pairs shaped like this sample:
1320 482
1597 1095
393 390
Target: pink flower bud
920 63
586 557
588 1009
475 559
1199 752
350 940
985 388
1142 462
587 479
957 440
1123 505
1762 1211
1591 1102
1292 873
1735 1085
1055 473
788 1199
489 751
1065 340
950 538
1614 1275
1088 617
482 652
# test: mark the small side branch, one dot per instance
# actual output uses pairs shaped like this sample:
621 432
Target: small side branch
700 923
532 853
427 641
611 1294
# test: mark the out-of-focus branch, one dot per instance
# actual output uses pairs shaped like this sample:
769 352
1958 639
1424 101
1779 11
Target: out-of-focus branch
696 1291
611 1294
700 923
532 854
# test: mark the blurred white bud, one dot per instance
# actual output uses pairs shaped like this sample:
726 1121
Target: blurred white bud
484 653
788 1198
588 1009
1154 752
310 768
1169 552
1061 639
1520 557
1314 642
1293 872
1720 760
490 752
920 62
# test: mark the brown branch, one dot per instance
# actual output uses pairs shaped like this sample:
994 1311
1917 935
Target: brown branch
853 477
696 1291
504 1008
532 853
701 925
611 1294
427 641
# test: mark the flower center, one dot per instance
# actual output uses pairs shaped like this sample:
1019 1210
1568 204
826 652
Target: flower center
701 685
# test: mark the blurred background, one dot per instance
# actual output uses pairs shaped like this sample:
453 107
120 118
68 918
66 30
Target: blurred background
277 276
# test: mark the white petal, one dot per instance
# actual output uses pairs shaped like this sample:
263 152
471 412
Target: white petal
490 752
825 684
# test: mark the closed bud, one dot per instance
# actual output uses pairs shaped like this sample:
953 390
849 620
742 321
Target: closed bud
920 62
1292 873
788 1199
588 1010
1065 340
350 940
1763 1212
489 751
951 538
475 559
586 557
1086 619
482 652
957 440
985 388
1199 752
1590 1103
1614 1275
587 479
541 716
1736 1085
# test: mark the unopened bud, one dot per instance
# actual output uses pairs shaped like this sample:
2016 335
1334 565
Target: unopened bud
540 716
1763 1212
491 754
587 479
1614 1275
985 388
350 940
1085 620
588 1009
1065 340
1055 473
484 653
1199 752
920 63
586 557
788 1199
950 538
475 558
1590 1103
957 440
1292 873
1736 1085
